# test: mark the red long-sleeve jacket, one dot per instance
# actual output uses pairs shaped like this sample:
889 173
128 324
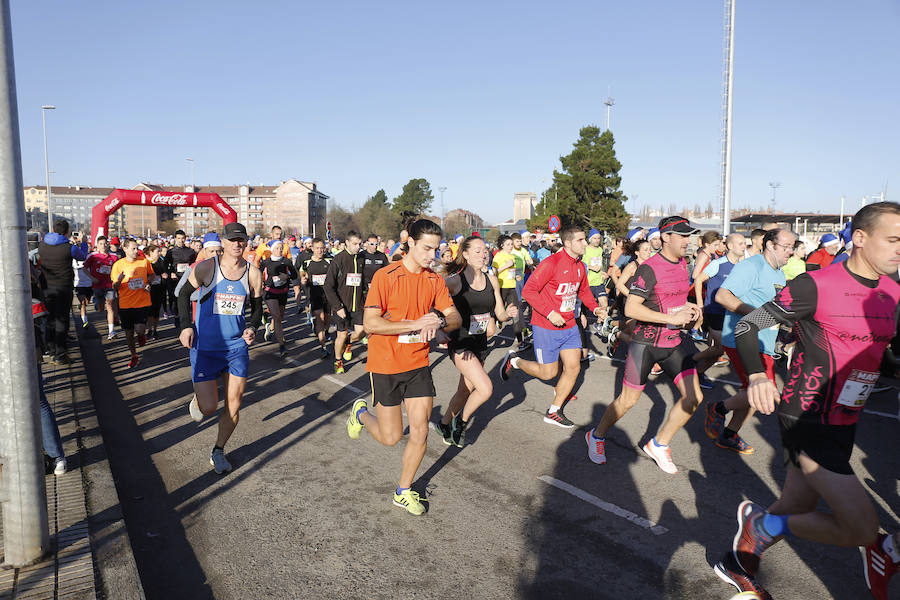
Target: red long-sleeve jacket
554 286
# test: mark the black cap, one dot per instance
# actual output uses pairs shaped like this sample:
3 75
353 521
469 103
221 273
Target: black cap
678 225
235 231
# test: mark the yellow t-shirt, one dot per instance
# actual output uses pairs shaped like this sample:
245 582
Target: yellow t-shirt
133 289
508 277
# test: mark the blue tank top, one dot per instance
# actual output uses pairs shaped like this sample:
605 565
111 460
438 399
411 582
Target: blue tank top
220 320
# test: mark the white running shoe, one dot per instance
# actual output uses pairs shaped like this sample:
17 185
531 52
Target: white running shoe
59 466
662 455
596 448
194 409
111 336
219 462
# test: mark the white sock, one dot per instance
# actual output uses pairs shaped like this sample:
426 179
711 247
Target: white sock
514 362
112 327
553 408
891 549
84 318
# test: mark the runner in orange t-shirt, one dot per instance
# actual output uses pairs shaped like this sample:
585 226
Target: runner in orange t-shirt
406 305
131 279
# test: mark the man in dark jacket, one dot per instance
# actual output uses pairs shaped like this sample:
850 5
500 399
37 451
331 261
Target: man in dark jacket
344 290
178 260
56 254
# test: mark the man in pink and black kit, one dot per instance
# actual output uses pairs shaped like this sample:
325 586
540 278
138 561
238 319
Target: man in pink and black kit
657 300
844 316
553 291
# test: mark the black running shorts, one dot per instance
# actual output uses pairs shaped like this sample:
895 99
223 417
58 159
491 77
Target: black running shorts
676 362
129 317
830 446
391 389
353 319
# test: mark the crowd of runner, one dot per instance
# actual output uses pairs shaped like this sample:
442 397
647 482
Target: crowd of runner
828 314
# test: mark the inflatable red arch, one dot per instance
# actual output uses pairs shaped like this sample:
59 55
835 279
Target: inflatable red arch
119 198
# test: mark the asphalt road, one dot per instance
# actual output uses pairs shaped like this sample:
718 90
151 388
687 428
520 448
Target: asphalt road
520 512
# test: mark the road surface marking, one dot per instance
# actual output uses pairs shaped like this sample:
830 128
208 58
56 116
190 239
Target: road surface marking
604 505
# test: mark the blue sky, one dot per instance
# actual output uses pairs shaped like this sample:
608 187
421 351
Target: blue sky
482 98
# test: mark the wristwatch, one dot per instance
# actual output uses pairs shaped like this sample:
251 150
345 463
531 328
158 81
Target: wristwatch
441 315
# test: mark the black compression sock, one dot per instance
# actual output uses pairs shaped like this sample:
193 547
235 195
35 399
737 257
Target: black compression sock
218 448
720 408
728 433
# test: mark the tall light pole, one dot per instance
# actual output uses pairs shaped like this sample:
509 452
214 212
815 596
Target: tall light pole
727 117
774 185
191 208
609 102
44 110
442 190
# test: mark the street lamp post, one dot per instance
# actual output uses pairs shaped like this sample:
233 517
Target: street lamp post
442 190
44 110
191 208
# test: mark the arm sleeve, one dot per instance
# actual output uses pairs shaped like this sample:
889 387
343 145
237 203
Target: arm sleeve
794 302
712 269
256 312
183 281
80 251
334 300
644 281
184 304
531 293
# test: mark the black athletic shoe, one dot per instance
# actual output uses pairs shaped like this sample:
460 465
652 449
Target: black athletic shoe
324 354
506 365
445 431
458 431
731 572
559 419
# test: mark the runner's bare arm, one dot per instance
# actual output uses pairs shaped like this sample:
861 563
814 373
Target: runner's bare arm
635 309
500 311
698 286
732 302
630 268
375 323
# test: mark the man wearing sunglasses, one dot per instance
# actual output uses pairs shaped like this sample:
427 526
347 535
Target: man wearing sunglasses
220 337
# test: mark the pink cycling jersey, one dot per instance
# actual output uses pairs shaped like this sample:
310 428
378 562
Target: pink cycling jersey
843 325
664 286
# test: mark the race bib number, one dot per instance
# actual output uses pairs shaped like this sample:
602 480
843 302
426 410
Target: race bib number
354 279
105 269
568 303
596 261
155 279
478 323
278 280
228 304
857 388
671 311
182 267
318 279
410 338
136 284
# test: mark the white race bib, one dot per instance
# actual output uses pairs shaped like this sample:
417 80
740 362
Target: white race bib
278 280
410 338
136 284
857 388
105 269
478 323
182 267
318 279
568 302
228 304
354 279
155 279
596 261
671 311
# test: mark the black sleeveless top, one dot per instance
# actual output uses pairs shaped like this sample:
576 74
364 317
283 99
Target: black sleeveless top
475 308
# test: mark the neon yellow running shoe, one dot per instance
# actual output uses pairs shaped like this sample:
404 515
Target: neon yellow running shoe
411 501
354 425
348 353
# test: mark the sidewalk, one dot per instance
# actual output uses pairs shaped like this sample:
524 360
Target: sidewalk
91 556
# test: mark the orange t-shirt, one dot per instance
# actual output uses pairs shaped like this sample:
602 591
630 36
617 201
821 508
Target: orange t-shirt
133 289
402 295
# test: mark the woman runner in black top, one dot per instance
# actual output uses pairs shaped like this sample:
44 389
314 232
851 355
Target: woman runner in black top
157 288
476 295
278 272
